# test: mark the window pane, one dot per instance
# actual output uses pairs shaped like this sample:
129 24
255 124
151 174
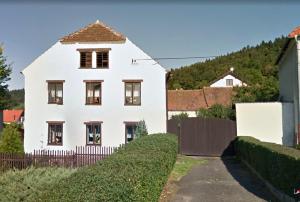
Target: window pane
129 133
136 93
58 137
82 59
128 93
89 133
51 92
51 134
97 134
59 92
97 93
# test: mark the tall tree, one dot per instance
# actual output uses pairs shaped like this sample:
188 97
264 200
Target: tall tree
5 71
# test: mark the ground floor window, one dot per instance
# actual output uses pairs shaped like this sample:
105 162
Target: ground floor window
55 133
130 129
93 133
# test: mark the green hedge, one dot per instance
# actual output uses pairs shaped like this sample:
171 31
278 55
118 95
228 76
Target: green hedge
277 164
137 172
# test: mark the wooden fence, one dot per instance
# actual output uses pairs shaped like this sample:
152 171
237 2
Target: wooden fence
83 155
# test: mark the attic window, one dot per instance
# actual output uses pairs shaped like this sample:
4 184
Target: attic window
102 59
86 59
229 82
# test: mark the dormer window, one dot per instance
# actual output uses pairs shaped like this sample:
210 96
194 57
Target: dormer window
102 59
229 82
86 59
96 58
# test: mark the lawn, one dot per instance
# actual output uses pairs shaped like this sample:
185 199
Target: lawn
182 166
26 185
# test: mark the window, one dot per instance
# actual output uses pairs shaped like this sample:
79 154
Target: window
86 59
55 92
130 129
132 93
229 82
55 133
93 133
102 60
93 92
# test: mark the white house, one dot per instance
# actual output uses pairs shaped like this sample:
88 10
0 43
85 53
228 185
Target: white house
289 73
229 79
89 89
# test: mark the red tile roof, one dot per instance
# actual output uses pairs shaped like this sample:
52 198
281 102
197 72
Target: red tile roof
295 32
10 116
191 100
96 32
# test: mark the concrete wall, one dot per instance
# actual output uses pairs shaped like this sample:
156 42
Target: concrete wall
222 82
61 62
269 122
190 113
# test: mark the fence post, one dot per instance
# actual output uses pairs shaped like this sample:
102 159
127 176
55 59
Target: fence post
179 136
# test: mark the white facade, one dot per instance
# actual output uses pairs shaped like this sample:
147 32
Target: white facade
62 62
228 81
268 122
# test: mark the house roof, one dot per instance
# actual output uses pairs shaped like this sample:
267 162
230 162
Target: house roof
223 75
294 33
95 32
191 100
10 116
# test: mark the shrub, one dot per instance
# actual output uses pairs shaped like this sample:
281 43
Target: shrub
141 129
26 185
179 117
137 172
10 139
217 111
277 164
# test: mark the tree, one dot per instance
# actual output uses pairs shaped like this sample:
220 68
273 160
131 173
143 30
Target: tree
5 71
10 139
216 111
141 129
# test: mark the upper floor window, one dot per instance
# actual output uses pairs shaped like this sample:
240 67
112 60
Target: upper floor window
133 92
55 92
93 92
86 59
93 133
102 59
229 82
55 133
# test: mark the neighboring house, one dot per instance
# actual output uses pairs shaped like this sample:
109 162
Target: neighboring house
229 79
88 89
189 101
289 65
13 116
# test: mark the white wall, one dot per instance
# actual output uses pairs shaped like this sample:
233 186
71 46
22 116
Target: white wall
268 122
61 62
190 113
222 82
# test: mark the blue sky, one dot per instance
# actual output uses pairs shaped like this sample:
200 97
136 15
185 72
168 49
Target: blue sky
161 30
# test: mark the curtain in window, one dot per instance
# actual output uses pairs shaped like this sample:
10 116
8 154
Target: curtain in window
90 135
97 134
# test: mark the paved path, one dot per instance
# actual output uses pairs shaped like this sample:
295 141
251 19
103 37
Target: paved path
221 180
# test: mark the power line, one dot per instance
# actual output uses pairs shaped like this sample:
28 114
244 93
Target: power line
174 58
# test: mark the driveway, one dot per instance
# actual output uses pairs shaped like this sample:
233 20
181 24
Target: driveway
221 180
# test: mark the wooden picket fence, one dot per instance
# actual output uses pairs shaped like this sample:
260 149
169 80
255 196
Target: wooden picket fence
81 156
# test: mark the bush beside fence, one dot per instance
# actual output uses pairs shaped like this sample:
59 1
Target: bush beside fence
137 172
277 164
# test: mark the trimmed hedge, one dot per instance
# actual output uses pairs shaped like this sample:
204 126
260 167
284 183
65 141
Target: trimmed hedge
277 164
137 172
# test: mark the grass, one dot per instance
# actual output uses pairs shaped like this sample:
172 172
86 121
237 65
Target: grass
25 185
181 168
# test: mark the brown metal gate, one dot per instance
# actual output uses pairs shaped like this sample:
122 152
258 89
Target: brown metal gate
204 137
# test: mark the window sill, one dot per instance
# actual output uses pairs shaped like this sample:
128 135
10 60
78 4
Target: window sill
54 145
132 104
57 103
97 104
93 145
93 68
